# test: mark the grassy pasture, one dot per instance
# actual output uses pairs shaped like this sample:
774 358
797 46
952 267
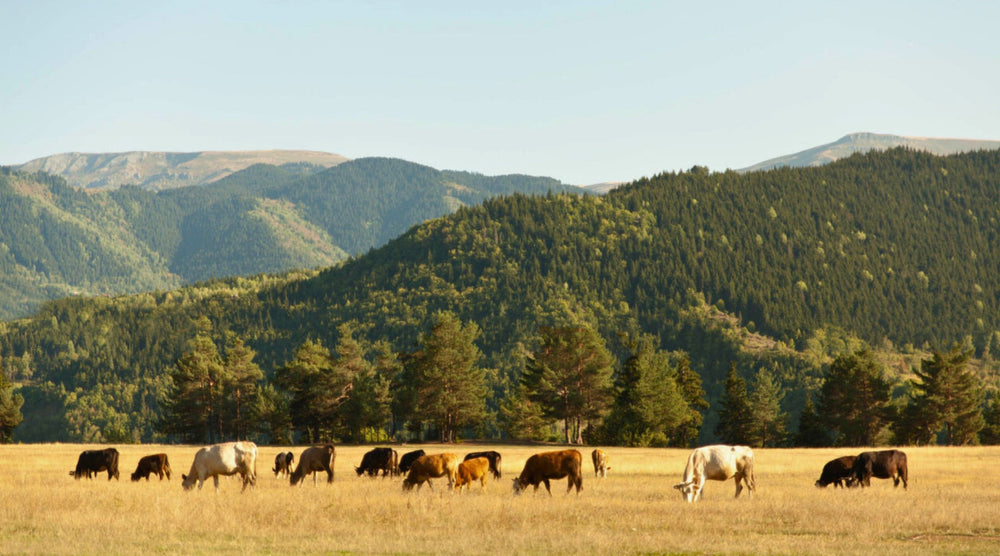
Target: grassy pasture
634 510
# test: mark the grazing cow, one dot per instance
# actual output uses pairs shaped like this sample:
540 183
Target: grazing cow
474 469
226 459
885 464
837 471
601 466
431 466
95 461
407 460
283 464
378 459
313 460
493 457
551 465
717 463
148 465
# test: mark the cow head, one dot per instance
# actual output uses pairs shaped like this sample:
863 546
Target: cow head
518 487
687 490
188 482
136 476
408 484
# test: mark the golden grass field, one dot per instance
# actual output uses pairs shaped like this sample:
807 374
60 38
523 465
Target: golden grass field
951 507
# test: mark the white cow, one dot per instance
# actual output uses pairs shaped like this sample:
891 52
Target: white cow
228 458
718 463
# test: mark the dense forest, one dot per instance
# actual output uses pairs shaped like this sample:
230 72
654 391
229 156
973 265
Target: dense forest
770 284
58 241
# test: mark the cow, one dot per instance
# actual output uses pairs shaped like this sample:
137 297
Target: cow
885 464
551 465
431 466
474 469
94 461
837 471
157 464
226 459
493 457
378 459
283 464
407 460
601 466
312 460
717 463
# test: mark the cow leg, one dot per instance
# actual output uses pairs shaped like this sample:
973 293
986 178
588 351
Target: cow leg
329 475
739 484
549 490
216 479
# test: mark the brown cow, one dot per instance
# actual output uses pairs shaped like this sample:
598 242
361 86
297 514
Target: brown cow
313 460
551 465
92 462
601 466
474 469
148 465
885 464
283 464
431 466
837 471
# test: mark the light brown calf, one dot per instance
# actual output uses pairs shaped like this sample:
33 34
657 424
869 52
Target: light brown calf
474 469
601 466
432 466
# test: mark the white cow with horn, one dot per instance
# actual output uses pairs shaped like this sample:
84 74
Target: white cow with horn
717 463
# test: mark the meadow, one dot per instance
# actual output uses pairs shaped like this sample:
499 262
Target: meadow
952 507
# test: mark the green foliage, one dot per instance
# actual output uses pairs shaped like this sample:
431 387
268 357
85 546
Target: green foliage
767 419
735 424
854 399
947 396
10 408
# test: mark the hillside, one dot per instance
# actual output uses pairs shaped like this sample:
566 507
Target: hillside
864 142
165 170
56 240
777 270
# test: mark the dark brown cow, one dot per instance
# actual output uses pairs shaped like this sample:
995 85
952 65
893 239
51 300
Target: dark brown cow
283 464
551 465
429 467
95 461
376 460
313 460
837 471
493 457
474 469
884 464
407 460
157 464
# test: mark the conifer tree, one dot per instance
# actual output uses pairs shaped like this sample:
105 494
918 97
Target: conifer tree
10 409
242 388
812 432
735 419
854 399
194 408
768 420
690 385
948 396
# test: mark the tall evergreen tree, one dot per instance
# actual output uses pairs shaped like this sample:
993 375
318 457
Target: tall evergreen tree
10 409
242 388
569 376
693 393
735 420
812 432
769 422
990 433
316 391
948 396
450 383
854 399
194 408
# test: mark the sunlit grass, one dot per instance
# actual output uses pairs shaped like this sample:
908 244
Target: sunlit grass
951 507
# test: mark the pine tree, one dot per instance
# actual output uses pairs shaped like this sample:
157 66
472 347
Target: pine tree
948 396
812 432
990 433
450 384
690 385
10 409
194 409
768 420
242 388
735 419
854 399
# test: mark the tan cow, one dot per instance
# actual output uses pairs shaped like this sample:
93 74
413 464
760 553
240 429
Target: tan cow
227 459
313 460
551 465
601 466
432 466
474 469
717 463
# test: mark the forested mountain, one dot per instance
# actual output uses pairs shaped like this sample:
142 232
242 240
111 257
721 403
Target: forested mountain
864 142
57 240
771 271
166 170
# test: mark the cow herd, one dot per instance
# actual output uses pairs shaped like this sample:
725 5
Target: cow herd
717 463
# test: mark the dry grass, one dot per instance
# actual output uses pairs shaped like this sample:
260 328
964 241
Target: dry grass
634 510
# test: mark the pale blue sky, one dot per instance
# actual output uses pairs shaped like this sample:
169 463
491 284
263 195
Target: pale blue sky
584 92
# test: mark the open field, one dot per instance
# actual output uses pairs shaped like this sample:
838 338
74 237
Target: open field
952 506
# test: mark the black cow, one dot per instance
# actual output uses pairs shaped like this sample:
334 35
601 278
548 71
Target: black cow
494 458
837 471
885 464
283 464
95 461
156 464
407 460
378 459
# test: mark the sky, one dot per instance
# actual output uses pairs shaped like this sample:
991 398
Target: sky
585 92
